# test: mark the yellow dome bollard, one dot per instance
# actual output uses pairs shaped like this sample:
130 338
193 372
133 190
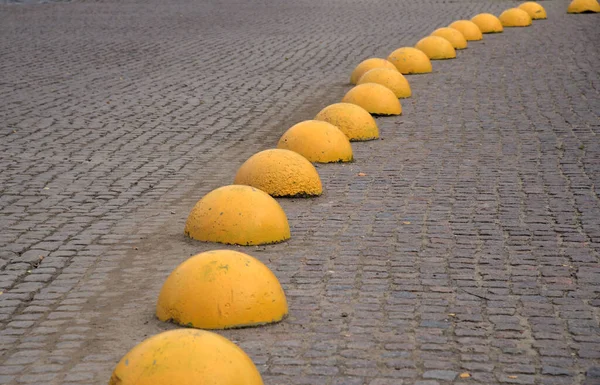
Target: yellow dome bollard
454 36
436 48
584 6
354 121
186 357
221 289
374 98
367 65
409 60
515 17
469 29
391 79
534 10
280 173
488 23
317 141
238 215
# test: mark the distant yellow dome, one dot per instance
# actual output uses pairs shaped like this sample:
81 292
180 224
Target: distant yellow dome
317 141
515 17
454 36
469 29
409 60
584 6
488 23
391 79
374 98
354 121
367 65
436 48
534 10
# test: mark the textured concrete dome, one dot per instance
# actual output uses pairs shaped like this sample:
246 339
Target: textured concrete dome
221 289
436 48
354 121
534 10
470 30
515 17
280 173
317 141
367 65
391 79
409 60
488 23
584 6
186 357
240 215
374 98
454 36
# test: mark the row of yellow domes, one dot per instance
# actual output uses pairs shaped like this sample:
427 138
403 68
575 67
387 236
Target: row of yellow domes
223 289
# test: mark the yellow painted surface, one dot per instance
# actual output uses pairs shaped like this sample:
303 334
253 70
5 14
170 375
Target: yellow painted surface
535 10
374 98
488 23
186 357
515 17
317 141
391 79
409 60
582 6
240 215
367 65
221 289
280 173
454 36
470 30
354 121
436 48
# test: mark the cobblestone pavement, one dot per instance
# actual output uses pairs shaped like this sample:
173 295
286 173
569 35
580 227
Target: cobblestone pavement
471 244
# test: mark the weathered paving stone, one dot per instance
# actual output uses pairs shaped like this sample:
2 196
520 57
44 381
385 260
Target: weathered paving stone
466 239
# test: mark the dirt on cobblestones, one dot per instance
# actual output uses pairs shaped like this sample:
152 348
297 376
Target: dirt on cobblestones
466 240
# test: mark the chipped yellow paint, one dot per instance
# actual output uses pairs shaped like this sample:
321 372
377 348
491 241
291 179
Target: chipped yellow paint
186 357
469 29
515 17
454 36
583 6
367 65
317 141
488 23
280 173
354 121
436 48
240 215
391 79
535 10
221 289
374 98
409 60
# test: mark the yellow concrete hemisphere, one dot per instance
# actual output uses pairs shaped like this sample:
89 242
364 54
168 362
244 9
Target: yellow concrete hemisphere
436 48
584 6
488 23
534 10
280 173
374 98
469 29
454 36
221 289
186 357
391 79
354 121
515 17
367 65
238 215
409 60
317 141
